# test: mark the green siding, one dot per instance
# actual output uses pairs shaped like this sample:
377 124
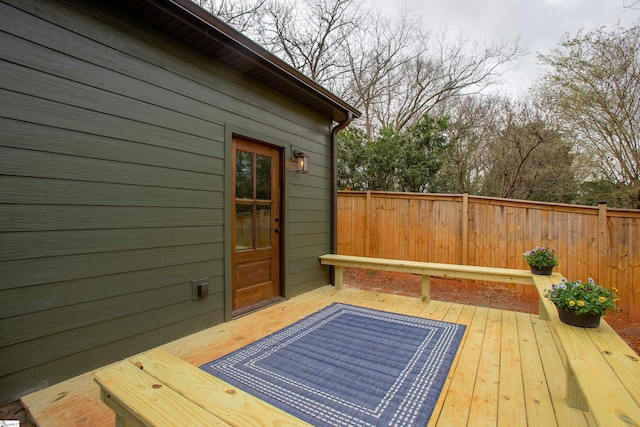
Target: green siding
113 146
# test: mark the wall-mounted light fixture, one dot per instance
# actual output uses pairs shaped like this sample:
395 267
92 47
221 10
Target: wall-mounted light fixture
302 161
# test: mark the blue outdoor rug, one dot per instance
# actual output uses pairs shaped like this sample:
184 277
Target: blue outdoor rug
348 366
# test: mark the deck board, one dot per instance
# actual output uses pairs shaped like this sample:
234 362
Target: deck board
507 371
555 379
511 403
538 402
484 403
455 410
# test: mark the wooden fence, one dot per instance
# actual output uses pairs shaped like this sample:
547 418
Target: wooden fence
595 242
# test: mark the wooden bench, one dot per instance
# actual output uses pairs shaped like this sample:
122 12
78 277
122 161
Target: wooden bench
157 388
425 269
603 372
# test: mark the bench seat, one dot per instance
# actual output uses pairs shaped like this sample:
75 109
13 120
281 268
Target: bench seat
603 372
157 388
425 269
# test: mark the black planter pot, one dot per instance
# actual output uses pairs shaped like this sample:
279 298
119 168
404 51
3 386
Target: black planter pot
542 271
585 320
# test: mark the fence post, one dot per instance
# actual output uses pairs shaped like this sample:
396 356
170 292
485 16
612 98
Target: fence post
602 241
367 224
465 228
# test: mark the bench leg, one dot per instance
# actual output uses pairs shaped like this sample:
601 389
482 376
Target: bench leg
339 276
120 421
426 288
542 309
575 398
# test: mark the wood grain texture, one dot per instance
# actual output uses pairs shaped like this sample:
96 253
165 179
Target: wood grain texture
214 395
430 268
600 243
542 402
541 408
511 403
143 400
602 371
538 410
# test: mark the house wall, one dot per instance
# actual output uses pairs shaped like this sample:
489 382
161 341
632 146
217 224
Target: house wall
114 143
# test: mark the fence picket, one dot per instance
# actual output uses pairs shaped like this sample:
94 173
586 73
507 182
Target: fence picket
597 242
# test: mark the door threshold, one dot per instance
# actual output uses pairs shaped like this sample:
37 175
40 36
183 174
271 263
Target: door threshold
246 310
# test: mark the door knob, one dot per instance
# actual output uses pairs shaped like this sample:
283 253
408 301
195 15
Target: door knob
277 230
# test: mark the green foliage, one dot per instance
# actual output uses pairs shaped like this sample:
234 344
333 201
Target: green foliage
583 297
352 158
594 87
393 160
421 155
615 194
528 158
383 157
540 257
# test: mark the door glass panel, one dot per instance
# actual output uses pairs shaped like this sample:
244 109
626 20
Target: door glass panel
263 177
244 226
244 175
263 238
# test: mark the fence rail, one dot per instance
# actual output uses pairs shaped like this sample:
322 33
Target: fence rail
596 242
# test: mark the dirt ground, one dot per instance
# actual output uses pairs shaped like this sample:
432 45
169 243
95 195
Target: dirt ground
15 411
475 294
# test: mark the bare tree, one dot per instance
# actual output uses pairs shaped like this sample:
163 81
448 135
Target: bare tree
312 36
447 69
399 72
390 68
594 83
376 58
529 159
243 15
474 122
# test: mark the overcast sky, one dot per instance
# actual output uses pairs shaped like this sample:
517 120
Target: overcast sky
539 23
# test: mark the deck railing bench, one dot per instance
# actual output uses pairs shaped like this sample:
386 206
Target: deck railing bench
425 269
603 372
153 388
157 388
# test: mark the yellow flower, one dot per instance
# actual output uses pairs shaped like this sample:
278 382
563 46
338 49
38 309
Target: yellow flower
602 299
571 303
614 289
580 303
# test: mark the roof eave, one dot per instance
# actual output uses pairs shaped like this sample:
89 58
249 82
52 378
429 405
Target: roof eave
281 76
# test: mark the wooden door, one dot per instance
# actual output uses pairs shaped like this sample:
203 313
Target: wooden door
256 225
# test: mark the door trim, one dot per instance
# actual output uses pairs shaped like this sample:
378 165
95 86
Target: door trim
235 132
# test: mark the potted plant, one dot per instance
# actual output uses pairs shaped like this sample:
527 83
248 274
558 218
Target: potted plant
582 304
541 260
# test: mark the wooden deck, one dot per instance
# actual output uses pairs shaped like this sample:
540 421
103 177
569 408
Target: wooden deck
507 372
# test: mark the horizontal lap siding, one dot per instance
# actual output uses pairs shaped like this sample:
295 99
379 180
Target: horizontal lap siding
307 238
112 189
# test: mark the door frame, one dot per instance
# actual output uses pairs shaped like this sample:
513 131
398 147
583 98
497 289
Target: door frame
230 133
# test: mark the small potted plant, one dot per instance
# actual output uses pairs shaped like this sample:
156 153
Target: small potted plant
541 260
582 304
